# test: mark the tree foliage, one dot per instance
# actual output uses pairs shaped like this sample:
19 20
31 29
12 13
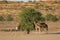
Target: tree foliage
1 18
5 1
9 17
28 16
50 17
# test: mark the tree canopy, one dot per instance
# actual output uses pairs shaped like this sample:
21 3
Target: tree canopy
28 16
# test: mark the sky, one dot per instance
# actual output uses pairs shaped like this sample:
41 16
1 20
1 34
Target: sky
21 0
18 0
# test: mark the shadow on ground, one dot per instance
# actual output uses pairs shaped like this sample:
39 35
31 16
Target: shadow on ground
10 30
53 33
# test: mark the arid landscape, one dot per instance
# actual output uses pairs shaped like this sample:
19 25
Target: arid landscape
14 8
31 36
53 34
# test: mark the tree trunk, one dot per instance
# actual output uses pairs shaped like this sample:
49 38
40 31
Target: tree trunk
28 31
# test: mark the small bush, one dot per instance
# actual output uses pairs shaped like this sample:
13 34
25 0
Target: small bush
9 17
50 17
1 18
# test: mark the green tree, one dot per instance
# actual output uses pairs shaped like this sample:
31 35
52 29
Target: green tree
27 17
5 1
21 1
50 17
9 17
30 0
1 18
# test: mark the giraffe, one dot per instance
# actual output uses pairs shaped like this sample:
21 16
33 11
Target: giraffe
41 27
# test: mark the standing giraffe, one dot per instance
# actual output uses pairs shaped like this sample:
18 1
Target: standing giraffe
41 27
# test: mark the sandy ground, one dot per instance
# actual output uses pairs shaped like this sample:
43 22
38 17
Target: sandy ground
31 36
53 34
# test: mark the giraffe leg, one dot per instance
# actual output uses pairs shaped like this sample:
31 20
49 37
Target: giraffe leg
41 29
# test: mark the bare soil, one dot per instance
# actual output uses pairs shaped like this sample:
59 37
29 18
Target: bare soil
53 34
32 36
